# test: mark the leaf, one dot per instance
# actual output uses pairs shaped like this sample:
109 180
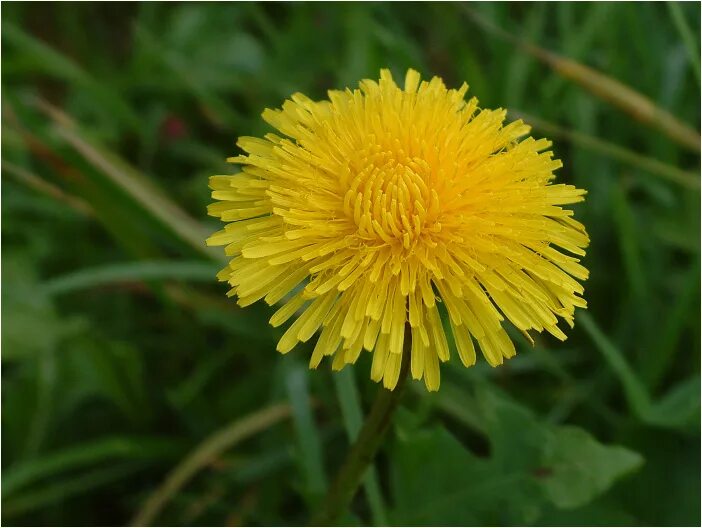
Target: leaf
675 410
24 307
520 65
86 454
131 271
531 464
680 407
309 445
634 389
203 454
436 481
181 67
49 189
66 489
51 62
573 467
199 378
142 191
598 513
352 414
671 173
687 37
111 370
664 354
606 88
580 468
629 242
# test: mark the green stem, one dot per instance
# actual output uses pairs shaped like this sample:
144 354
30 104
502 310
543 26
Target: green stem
363 450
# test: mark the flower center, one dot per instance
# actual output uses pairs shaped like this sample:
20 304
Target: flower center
390 196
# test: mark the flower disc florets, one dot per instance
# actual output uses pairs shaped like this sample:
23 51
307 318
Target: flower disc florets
382 201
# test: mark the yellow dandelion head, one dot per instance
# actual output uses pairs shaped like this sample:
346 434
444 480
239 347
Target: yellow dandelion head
370 210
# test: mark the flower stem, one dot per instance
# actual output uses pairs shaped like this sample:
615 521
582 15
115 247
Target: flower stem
363 451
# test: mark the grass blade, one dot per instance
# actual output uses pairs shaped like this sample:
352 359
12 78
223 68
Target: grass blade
352 415
625 224
216 109
66 489
203 454
672 328
625 98
131 271
634 389
40 418
675 409
594 144
82 455
135 184
606 88
41 185
309 444
686 36
113 209
57 65
520 65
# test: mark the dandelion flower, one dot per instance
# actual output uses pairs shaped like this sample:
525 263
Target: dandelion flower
372 212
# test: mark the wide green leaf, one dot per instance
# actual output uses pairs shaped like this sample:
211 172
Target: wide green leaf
531 464
579 467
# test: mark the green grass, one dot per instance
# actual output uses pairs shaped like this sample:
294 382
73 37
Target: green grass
129 379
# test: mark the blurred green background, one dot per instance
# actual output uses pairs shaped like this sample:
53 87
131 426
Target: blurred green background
133 391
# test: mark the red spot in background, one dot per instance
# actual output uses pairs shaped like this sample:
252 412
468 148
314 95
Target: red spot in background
173 128
542 472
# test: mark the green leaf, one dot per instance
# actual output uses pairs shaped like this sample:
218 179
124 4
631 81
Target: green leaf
143 191
308 443
24 307
581 468
436 481
687 36
203 454
531 464
608 89
352 414
181 67
84 455
667 350
131 271
613 151
113 371
678 409
67 488
629 241
47 60
521 65
635 391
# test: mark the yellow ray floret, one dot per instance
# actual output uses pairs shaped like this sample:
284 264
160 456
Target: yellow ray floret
372 212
